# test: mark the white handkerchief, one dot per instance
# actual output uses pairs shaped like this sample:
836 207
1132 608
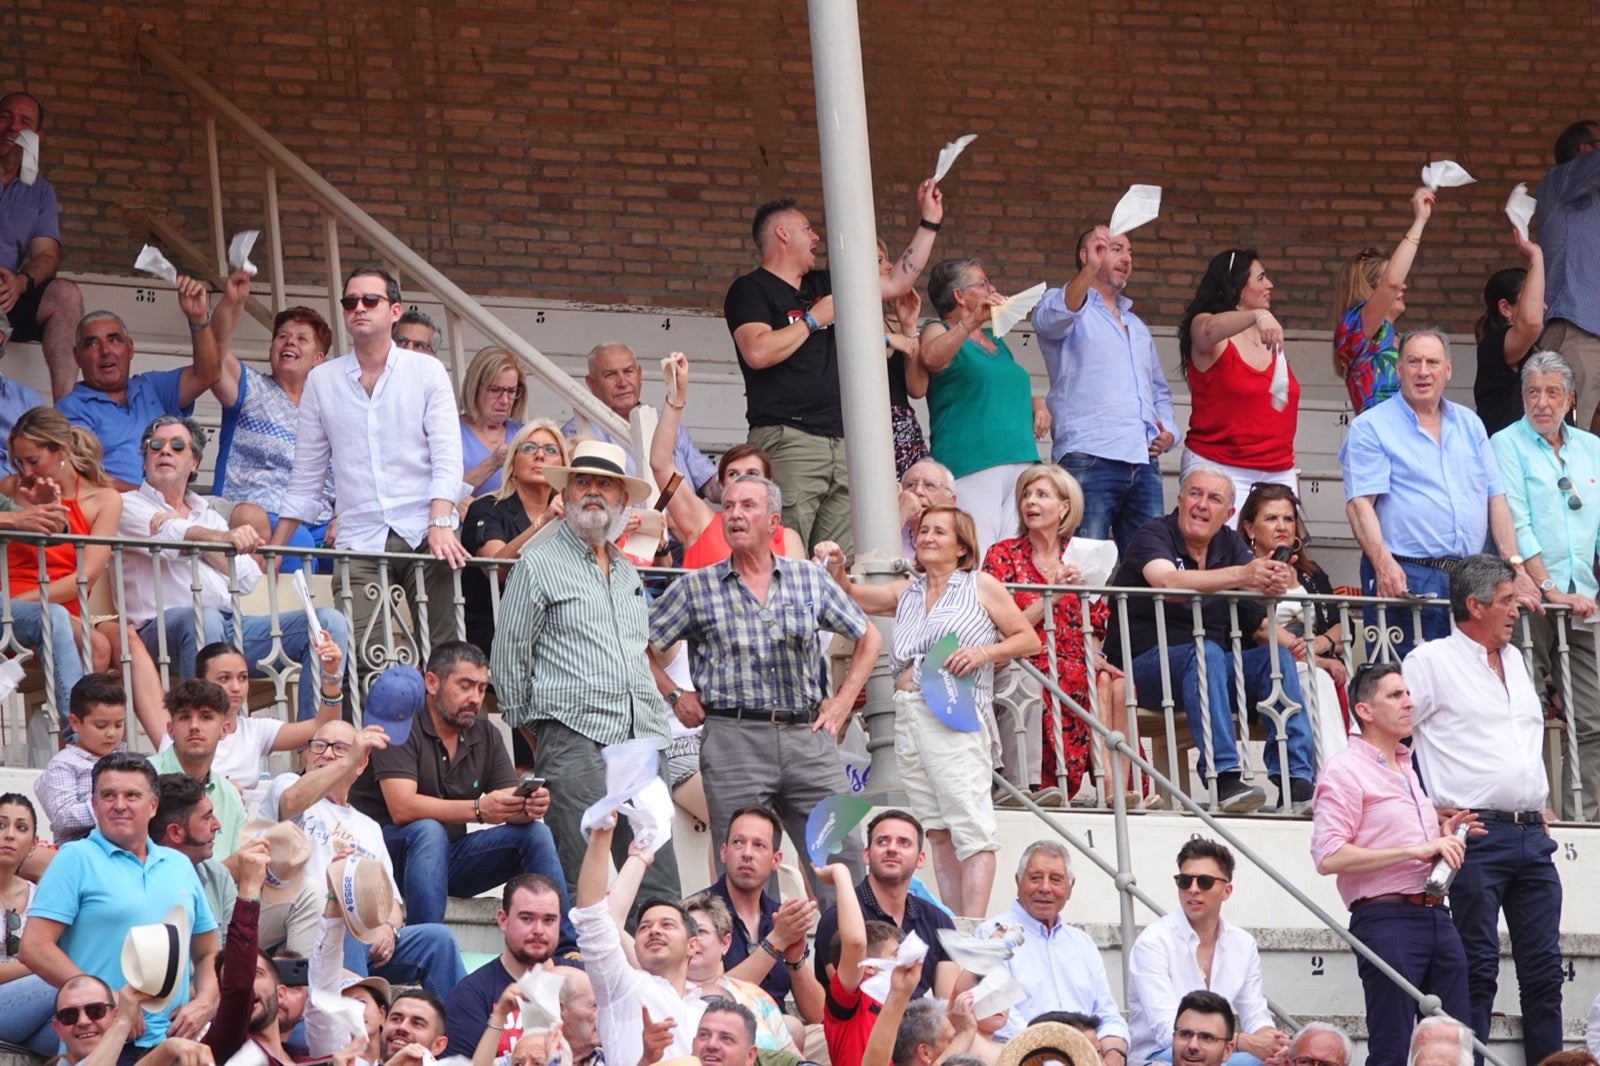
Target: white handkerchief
649 814
630 766
948 154
1096 560
643 542
1445 174
151 261
239 251
669 373
1140 204
912 949
11 672
1279 388
302 590
979 955
251 1055
541 994
1520 208
347 1013
1015 309
28 141
997 992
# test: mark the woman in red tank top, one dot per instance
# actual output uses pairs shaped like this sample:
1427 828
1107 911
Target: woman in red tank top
1245 401
58 464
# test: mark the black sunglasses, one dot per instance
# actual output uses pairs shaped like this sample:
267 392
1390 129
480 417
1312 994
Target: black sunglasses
1207 881
1574 501
368 300
95 1011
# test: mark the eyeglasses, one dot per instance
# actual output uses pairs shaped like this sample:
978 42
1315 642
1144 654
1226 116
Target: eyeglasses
1574 501
509 392
1207 881
69 1015
338 747
369 300
406 342
158 445
1199 1036
982 283
529 447
1312 1060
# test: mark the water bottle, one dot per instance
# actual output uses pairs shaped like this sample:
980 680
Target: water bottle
1442 874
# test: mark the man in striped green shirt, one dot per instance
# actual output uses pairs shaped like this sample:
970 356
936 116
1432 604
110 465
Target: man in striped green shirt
569 661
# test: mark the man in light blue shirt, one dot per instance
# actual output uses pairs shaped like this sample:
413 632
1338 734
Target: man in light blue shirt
1551 473
1110 407
1422 492
615 379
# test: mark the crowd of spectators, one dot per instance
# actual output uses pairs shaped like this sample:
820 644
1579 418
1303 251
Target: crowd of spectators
170 927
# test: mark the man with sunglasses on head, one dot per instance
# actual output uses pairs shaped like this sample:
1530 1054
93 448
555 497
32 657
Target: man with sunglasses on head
1192 951
1551 474
160 593
1376 830
387 419
115 405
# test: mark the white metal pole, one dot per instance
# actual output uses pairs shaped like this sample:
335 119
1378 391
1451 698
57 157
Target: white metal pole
858 305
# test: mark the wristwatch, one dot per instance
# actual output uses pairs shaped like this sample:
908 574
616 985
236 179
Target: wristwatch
673 697
444 521
1547 585
1514 560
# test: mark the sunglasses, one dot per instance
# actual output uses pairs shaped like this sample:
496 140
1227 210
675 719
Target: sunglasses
177 444
13 933
1207 881
1574 501
369 300
69 1015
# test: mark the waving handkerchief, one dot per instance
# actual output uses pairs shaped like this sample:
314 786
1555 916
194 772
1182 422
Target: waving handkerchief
1096 560
541 994
346 1014
151 261
674 370
239 251
649 814
1279 388
1140 204
948 154
28 141
997 992
250 1054
630 766
912 949
1520 208
11 675
979 955
1014 310
1445 174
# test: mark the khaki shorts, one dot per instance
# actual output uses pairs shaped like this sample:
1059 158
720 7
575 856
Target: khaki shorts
946 775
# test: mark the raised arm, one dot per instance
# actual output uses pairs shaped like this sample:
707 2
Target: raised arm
1393 281
224 320
852 926
1527 318
881 599
206 366
930 201
690 514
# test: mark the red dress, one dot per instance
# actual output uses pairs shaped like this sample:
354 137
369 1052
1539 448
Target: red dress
1012 561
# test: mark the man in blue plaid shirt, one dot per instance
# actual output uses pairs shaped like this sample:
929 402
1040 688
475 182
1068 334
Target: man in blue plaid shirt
754 625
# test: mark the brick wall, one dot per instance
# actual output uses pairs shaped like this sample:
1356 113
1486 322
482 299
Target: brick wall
596 150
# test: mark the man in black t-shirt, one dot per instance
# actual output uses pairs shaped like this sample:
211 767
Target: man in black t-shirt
781 318
1192 548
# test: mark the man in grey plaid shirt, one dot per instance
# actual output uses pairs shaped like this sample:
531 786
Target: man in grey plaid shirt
754 626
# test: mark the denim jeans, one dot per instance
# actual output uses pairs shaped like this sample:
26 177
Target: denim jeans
424 955
27 624
472 864
257 633
26 1006
1421 580
1219 689
1118 497
1509 869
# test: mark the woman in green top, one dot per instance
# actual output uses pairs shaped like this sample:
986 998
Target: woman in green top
982 413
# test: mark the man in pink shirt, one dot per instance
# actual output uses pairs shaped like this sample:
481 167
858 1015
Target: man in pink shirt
1378 832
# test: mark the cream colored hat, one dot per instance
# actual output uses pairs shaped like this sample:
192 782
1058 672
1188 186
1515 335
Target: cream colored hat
290 849
155 957
604 458
366 898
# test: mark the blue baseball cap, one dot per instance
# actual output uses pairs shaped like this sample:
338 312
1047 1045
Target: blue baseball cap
393 701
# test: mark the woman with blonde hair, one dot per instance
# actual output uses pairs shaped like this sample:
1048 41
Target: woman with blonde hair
494 394
58 464
1371 294
945 770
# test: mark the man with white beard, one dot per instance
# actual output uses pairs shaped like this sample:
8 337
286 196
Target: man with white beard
569 660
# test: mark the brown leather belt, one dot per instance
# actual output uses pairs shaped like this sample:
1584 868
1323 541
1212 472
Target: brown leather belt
1416 899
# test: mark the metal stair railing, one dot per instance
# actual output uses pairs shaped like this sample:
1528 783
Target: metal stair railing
336 210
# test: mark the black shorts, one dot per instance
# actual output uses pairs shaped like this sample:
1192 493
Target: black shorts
24 315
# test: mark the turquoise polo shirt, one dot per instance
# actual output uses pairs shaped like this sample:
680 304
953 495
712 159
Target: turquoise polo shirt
99 891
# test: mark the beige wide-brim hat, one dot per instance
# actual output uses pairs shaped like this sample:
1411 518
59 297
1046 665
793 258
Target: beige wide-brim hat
604 458
1048 1042
155 957
350 980
366 898
290 850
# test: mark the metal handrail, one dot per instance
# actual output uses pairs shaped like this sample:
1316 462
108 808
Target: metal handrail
1427 1003
340 209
